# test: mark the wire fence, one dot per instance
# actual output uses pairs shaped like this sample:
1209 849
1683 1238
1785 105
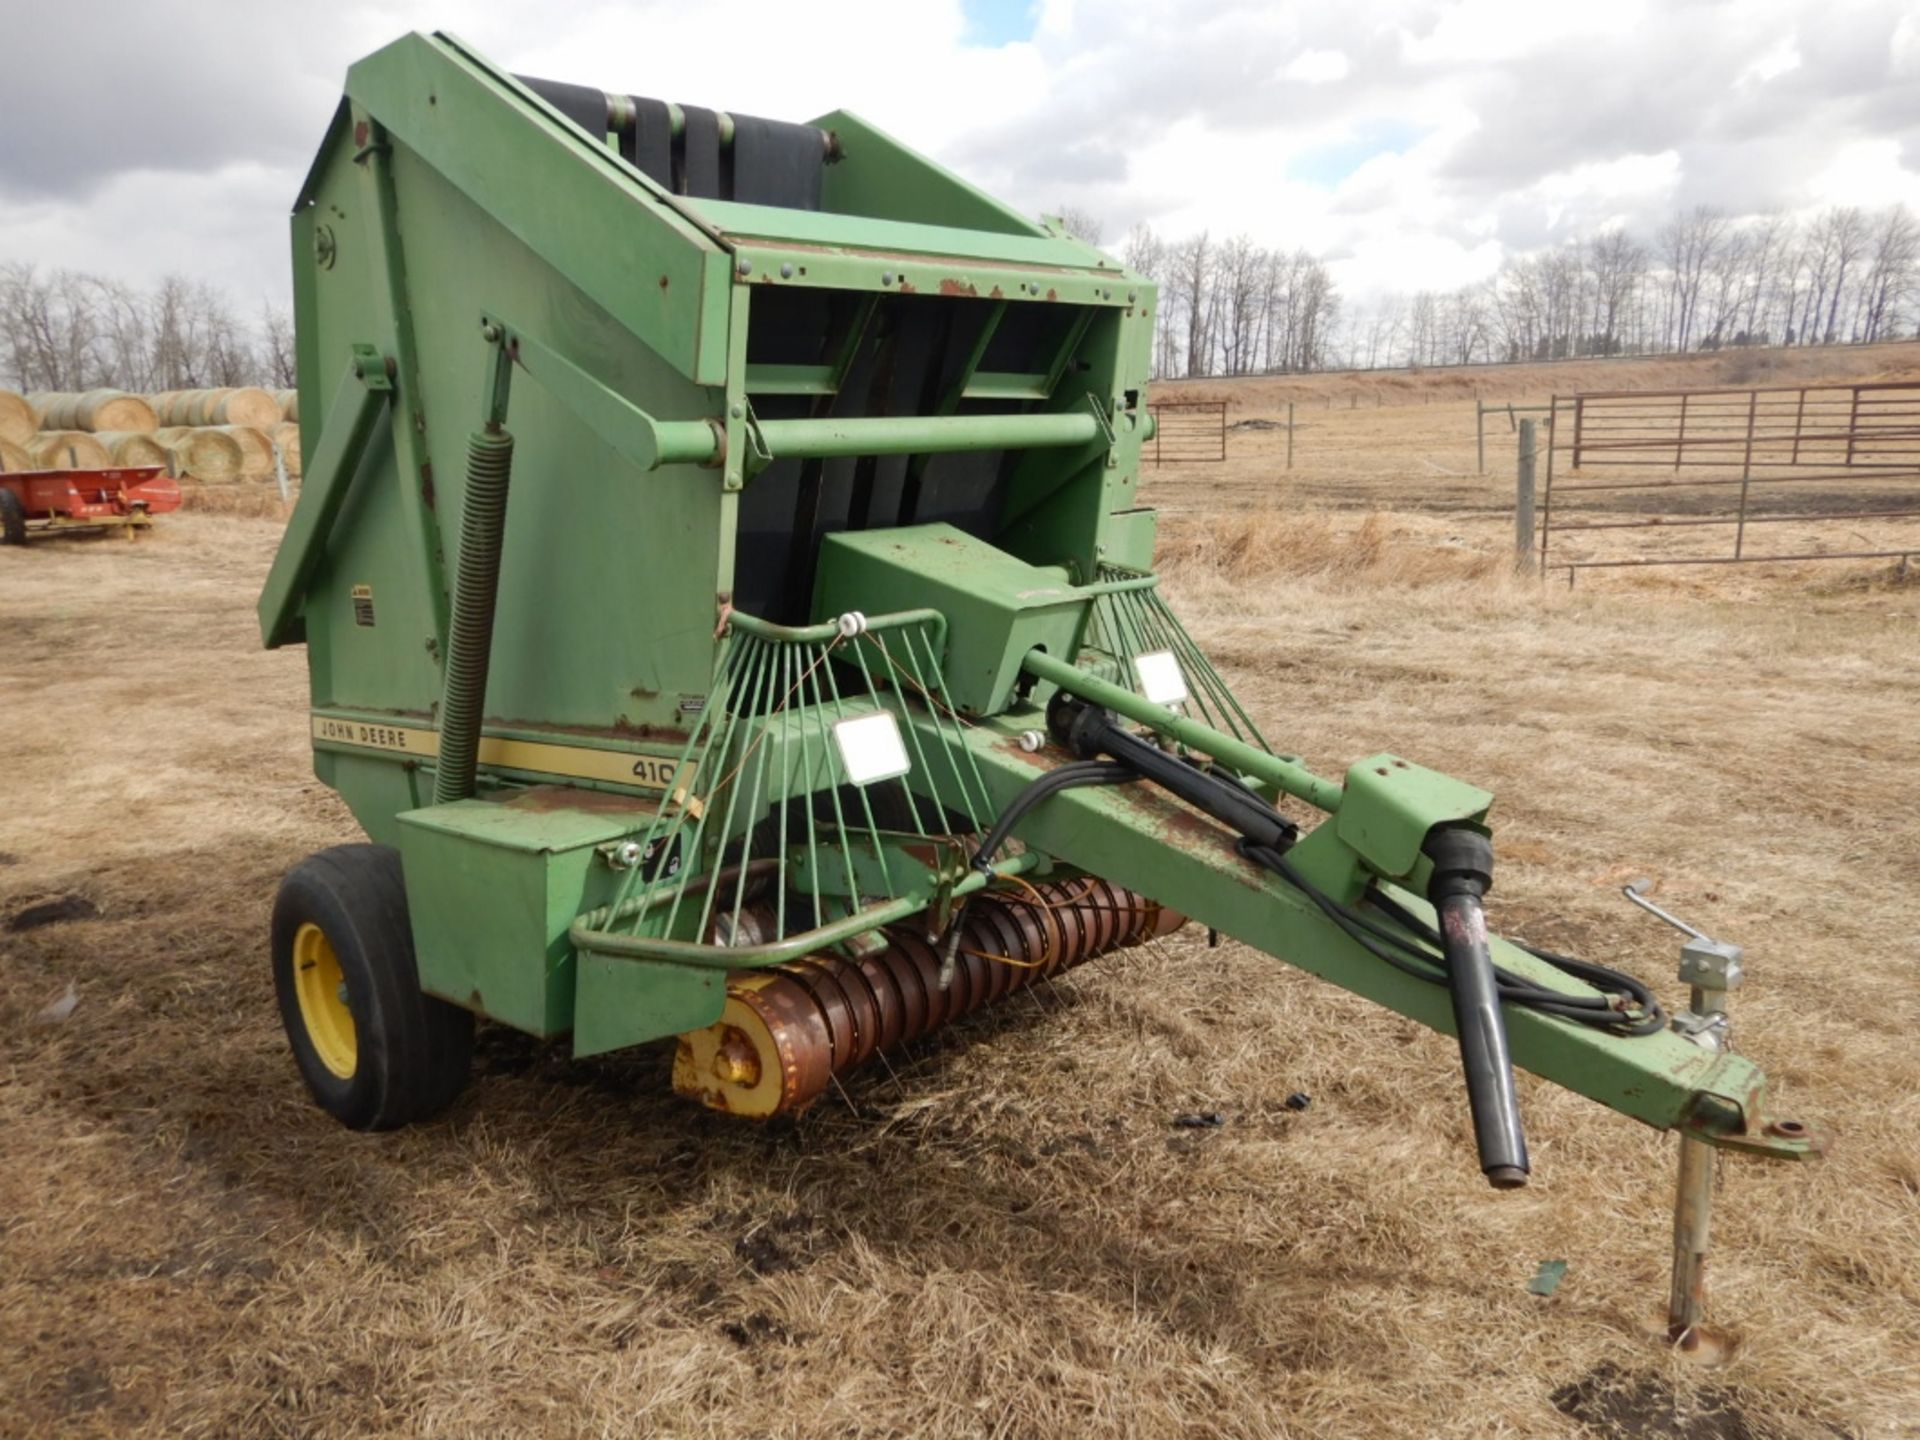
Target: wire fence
1786 473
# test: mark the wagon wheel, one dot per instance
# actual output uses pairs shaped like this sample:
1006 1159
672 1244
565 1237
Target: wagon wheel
13 519
375 1050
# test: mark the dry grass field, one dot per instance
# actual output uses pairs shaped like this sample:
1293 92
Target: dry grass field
1001 1233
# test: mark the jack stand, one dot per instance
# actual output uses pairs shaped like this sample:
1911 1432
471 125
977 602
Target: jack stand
1712 969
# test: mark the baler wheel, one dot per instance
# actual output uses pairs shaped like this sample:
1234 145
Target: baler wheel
376 1051
13 519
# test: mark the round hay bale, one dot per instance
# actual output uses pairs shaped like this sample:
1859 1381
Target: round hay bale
68 450
176 408
95 410
13 458
131 449
256 450
287 436
241 405
245 405
19 421
202 454
289 404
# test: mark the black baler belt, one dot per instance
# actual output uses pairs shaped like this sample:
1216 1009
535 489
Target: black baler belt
700 154
648 146
775 163
582 104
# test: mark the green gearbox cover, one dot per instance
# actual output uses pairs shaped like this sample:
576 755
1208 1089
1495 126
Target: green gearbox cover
997 607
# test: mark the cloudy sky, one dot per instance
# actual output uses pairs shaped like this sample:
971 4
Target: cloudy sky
1414 142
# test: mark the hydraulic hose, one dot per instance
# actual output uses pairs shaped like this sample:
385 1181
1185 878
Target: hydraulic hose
1462 873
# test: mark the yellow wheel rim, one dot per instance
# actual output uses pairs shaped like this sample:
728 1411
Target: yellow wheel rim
321 989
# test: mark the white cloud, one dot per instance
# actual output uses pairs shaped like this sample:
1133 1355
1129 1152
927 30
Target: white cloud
1318 67
1867 173
1780 58
1413 141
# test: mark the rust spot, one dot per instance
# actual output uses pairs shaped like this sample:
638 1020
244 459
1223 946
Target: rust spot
624 726
426 484
360 135
955 287
543 799
996 293
735 1062
1053 294
663 282
907 288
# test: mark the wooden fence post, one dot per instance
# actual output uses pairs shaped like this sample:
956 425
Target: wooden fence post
1523 502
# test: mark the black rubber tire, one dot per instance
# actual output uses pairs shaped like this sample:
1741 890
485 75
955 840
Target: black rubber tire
413 1051
13 519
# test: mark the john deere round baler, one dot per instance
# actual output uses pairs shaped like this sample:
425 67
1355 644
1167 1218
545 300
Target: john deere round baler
729 617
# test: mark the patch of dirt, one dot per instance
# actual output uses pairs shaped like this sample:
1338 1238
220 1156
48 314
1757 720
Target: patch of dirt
1622 1405
53 912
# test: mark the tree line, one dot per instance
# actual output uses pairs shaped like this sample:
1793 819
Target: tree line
66 330
1703 280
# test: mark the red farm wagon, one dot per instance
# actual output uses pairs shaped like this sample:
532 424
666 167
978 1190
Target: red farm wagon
49 502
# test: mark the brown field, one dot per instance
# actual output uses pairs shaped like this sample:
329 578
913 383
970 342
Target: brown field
1000 1234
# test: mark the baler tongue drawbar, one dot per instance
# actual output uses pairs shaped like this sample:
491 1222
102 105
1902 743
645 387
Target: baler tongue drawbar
784 670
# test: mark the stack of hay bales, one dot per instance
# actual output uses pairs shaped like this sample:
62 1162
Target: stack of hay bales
93 410
246 405
209 435
250 420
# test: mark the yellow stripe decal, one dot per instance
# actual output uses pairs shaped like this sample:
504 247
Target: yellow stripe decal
577 762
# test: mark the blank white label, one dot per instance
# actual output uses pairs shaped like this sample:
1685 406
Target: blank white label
870 747
1160 678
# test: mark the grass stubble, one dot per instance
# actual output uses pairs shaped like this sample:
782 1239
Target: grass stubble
998 1233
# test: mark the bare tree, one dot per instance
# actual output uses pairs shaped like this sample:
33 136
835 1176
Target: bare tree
1847 229
1192 275
1618 264
1080 224
277 354
1893 272
1690 243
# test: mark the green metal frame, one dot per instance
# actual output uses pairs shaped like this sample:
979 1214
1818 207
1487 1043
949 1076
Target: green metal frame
456 228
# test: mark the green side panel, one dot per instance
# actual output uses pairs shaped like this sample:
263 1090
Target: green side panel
589 535
375 788
819 227
1129 539
629 1002
528 170
879 176
997 607
491 890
